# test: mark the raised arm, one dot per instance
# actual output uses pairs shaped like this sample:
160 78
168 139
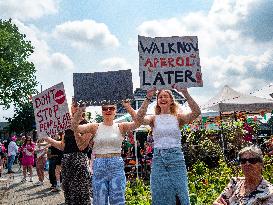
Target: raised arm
83 140
57 144
127 105
138 118
195 110
77 118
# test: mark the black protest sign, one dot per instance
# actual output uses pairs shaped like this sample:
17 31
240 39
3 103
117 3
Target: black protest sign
102 88
165 61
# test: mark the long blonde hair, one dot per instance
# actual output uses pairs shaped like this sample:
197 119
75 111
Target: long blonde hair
173 107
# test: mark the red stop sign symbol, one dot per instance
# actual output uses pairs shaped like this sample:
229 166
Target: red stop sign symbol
59 97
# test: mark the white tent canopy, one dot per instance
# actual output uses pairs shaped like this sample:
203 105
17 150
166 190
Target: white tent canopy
230 100
265 92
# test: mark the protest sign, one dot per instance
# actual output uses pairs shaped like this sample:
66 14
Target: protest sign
102 88
165 61
51 111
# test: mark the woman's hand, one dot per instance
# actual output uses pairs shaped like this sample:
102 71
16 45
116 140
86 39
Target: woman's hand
46 139
151 93
126 103
184 91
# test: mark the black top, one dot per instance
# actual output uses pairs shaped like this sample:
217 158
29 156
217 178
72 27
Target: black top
55 151
70 142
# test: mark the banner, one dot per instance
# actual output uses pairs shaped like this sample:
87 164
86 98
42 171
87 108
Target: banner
103 87
51 111
165 61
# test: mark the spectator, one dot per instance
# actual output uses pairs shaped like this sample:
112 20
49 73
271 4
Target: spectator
58 163
1 158
12 151
51 156
28 158
41 151
252 188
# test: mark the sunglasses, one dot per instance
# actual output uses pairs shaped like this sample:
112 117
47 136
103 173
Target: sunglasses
108 108
250 160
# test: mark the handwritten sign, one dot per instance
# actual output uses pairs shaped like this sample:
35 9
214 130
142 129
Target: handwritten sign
51 111
102 88
165 61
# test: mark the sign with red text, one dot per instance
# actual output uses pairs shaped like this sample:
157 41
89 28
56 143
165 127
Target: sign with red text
165 61
51 111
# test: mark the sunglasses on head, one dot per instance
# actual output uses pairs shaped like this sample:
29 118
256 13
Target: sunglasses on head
250 160
108 108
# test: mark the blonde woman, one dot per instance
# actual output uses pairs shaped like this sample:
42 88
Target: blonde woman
169 181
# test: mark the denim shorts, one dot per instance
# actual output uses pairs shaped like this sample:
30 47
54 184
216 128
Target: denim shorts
169 179
109 181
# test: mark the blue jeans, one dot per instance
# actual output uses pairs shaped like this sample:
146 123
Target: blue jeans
11 159
169 178
109 181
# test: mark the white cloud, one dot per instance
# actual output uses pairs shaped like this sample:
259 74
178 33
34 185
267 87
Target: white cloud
43 57
61 61
115 63
229 55
27 9
250 84
86 33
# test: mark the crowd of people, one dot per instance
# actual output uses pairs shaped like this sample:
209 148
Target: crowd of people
68 154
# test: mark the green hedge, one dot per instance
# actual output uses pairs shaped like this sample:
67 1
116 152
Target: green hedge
205 184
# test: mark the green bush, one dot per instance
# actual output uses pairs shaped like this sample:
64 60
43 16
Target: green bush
209 171
205 184
138 192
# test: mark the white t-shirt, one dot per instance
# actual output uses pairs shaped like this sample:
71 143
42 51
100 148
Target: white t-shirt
12 148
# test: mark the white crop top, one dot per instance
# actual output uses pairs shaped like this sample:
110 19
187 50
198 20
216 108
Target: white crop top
166 132
107 140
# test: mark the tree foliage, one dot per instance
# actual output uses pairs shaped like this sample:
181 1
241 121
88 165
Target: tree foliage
23 120
17 76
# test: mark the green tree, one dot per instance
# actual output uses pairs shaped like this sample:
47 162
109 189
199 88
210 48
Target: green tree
23 120
17 79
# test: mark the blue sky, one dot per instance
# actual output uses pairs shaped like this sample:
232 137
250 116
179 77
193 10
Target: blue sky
235 38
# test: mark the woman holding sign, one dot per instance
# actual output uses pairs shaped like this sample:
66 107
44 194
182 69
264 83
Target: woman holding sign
109 180
169 181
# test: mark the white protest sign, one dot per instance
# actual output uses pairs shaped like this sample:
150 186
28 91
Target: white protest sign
51 111
165 61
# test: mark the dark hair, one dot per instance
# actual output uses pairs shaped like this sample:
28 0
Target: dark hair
60 132
28 138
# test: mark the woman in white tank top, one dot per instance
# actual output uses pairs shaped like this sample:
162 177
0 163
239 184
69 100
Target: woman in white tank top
169 183
109 180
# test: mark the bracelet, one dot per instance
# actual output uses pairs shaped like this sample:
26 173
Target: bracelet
149 99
